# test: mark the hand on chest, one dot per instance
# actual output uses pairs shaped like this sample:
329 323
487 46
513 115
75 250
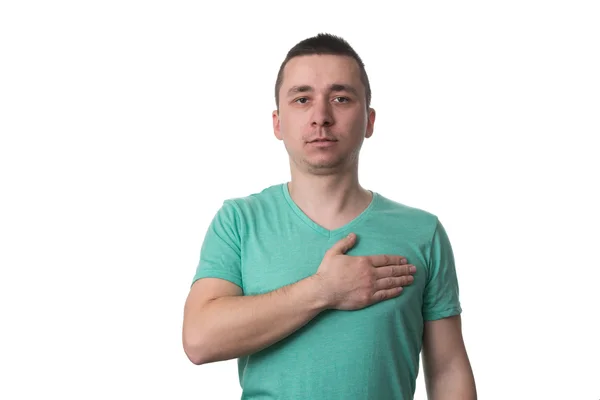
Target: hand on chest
271 264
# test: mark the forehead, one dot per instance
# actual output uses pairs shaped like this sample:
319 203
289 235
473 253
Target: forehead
321 71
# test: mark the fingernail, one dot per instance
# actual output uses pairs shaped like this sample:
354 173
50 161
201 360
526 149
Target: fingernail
413 268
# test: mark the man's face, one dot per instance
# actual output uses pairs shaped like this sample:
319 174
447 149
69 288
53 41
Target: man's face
323 118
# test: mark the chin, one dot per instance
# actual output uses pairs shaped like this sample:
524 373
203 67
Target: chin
324 163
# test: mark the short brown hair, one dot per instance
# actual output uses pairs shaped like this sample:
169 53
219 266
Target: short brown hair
321 44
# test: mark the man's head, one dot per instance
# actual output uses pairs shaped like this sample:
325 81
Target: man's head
323 92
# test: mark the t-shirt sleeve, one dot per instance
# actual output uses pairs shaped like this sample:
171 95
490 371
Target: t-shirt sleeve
441 296
220 254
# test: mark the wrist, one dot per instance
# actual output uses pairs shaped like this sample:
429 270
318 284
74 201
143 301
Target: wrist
320 298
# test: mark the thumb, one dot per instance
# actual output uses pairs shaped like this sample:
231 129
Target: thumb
343 245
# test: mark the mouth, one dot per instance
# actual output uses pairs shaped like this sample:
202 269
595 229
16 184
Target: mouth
322 143
322 140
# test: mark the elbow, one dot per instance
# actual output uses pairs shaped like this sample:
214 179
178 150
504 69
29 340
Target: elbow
195 349
195 357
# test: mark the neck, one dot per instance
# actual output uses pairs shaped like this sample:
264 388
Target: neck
329 197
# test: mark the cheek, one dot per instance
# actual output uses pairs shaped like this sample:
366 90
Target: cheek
291 129
293 121
359 119
352 126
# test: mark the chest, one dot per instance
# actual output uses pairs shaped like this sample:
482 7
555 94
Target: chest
271 261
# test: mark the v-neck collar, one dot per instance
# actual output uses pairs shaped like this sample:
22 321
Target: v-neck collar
320 229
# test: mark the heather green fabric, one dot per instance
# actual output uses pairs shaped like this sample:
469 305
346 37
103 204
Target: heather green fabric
264 241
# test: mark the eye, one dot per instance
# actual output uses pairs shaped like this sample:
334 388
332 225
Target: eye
341 99
301 100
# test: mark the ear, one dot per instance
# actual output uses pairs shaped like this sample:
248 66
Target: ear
370 123
276 125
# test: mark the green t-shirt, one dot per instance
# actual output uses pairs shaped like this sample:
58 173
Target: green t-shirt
264 241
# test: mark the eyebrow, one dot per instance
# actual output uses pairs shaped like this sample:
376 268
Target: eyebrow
336 87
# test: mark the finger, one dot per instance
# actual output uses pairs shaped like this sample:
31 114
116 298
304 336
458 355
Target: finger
343 245
386 294
393 282
395 270
380 260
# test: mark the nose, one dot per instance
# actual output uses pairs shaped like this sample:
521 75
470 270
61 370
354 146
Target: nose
322 115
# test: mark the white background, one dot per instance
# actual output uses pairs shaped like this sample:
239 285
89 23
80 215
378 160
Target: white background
126 124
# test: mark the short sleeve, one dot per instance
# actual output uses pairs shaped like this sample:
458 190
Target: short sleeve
441 296
220 255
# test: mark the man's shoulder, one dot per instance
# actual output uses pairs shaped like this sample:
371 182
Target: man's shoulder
394 208
398 217
255 201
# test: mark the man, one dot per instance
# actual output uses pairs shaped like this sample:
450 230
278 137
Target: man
320 288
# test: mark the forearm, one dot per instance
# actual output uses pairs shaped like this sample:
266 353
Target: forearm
454 382
233 326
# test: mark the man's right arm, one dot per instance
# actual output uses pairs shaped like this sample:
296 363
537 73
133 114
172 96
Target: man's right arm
220 324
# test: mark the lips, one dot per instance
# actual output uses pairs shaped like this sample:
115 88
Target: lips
322 143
